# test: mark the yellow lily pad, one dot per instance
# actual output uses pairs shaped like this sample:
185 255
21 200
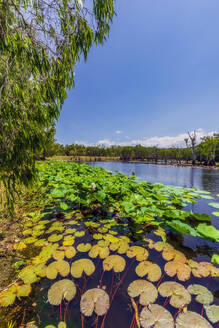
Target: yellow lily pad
56 267
180 269
54 238
212 313
68 241
139 252
80 266
204 296
61 289
173 254
191 319
84 247
94 300
79 233
115 262
156 316
179 296
150 269
97 250
147 291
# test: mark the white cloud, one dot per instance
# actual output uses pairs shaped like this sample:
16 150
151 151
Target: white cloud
166 141
119 132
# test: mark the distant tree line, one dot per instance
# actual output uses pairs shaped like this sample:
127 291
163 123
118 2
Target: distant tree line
204 153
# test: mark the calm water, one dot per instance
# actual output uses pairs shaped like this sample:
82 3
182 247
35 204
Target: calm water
206 179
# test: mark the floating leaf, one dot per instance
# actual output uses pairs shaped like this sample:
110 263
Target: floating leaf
30 240
84 247
58 255
110 238
115 262
140 253
70 252
180 269
61 289
97 250
208 231
204 296
96 300
103 243
215 205
179 296
56 267
70 231
159 246
147 291
97 236
80 266
215 259
62 324
191 319
150 269
28 275
212 313
215 214
54 238
79 233
173 254
68 241
156 316
121 246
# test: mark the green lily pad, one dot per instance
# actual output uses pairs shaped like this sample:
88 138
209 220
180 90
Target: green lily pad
215 259
208 231
215 214
212 313
215 205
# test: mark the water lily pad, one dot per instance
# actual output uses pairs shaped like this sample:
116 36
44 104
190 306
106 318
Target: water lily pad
62 324
28 275
179 296
54 238
110 238
191 319
152 270
30 240
58 255
97 250
215 259
61 289
206 197
173 254
80 266
56 267
23 290
208 231
156 316
70 252
180 269
70 231
94 300
79 233
115 262
215 205
121 246
139 252
212 313
215 214
103 243
97 236
160 245
204 296
68 241
147 291
84 247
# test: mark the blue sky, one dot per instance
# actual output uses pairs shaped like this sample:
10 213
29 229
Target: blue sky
156 76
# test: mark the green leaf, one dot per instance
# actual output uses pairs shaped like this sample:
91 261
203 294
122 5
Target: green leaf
208 231
182 227
215 259
201 217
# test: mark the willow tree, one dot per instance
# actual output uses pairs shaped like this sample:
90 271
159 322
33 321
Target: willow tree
40 43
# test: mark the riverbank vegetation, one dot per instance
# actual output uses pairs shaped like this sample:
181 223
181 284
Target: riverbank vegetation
92 233
205 153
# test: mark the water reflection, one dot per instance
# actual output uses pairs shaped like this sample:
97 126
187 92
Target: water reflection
207 179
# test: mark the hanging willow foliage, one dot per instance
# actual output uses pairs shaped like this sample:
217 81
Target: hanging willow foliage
40 43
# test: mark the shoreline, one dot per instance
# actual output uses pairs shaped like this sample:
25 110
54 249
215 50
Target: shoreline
86 159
